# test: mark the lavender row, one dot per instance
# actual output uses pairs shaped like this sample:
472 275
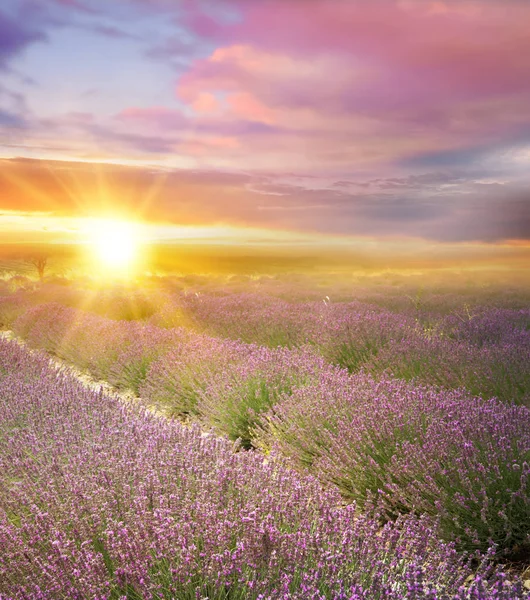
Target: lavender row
120 304
499 370
271 321
486 350
101 500
416 449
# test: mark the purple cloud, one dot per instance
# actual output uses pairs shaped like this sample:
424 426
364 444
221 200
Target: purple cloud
15 37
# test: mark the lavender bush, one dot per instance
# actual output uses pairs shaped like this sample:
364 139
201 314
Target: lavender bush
104 500
235 398
347 333
351 334
177 379
120 352
417 449
499 370
484 349
482 326
86 340
251 317
11 307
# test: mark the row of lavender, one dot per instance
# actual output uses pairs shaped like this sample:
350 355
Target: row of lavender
413 448
486 350
104 500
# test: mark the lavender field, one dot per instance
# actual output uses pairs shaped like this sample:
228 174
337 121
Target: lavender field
233 438
264 300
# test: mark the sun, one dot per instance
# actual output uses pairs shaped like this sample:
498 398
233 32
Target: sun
114 244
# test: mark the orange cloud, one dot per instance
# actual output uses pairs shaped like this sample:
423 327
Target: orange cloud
434 206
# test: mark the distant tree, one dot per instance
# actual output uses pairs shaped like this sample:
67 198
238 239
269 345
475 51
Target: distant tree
39 260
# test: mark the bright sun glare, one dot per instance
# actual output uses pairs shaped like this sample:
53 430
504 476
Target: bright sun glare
115 244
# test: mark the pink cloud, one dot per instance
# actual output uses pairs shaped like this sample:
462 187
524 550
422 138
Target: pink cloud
206 103
456 49
407 33
249 107
396 108
366 81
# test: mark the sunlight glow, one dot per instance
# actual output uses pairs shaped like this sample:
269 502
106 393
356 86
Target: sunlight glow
115 245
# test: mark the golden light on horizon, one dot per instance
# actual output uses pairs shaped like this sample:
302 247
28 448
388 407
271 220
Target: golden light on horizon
115 245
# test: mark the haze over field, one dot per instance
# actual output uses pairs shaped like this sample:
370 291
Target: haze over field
380 127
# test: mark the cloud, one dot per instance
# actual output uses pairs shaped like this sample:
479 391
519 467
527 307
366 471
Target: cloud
399 78
472 45
76 5
310 86
113 32
11 120
15 37
473 212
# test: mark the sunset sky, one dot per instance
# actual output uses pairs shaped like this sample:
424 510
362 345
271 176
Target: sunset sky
378 120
